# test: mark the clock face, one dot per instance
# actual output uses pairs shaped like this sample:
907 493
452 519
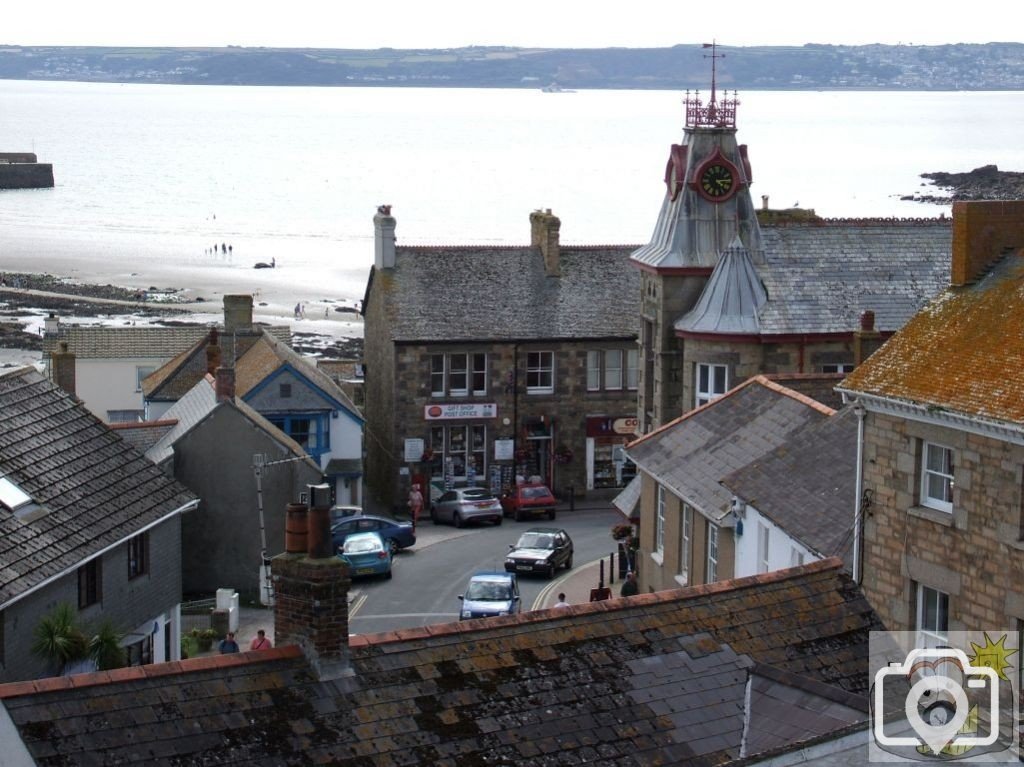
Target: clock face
716 181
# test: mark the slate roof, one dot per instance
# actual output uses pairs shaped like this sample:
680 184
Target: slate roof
820 276
691 454
97 489
118 342
651 679
963 353
731 299
815 503
196 406
473 293
142 435
188 367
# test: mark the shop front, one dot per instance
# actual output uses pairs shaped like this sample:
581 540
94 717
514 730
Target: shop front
607 437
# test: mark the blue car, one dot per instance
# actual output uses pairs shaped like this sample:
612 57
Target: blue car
366 554
490 593
397 535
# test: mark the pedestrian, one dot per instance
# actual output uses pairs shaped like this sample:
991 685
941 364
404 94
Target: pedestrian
326 312
228 644
629 586
561 601
298 308
260 642
415 503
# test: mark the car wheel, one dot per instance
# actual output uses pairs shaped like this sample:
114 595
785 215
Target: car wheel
499 520
568 563
519 515
457 519
551 571
388 574
551 514
433 517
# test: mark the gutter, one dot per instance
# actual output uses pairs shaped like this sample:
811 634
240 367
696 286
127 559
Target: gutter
190 506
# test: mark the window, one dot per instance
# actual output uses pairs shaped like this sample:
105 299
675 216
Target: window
796 558
285 391
632 367
613 369
310 431
540 372
659 535
763 534
593 371
89 591
138 555
456 375
712 383
844 367
141 372
937 477
460 450
685 541
712 569
932 616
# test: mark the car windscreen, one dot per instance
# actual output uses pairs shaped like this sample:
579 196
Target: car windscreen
536 541
477 494
534 492
482 591
360 545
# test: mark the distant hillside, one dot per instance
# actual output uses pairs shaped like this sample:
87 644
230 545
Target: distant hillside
993 66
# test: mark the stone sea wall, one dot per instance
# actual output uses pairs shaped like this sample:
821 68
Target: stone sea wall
19 170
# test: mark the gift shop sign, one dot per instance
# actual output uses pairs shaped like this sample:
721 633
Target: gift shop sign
460 410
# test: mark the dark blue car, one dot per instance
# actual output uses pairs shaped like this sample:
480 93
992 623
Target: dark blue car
397 535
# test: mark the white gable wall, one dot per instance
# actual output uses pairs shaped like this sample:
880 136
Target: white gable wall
112 383
781 546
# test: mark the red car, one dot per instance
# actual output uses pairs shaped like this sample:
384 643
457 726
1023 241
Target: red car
528 500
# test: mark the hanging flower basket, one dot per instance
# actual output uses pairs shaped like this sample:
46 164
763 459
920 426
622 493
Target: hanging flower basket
522 454
428 456
622 532
563 454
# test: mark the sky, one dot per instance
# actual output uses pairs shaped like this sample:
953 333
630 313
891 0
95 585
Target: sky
518 23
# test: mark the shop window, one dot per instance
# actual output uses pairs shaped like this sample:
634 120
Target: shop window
540 372
937 477
459 450
89 583
712 383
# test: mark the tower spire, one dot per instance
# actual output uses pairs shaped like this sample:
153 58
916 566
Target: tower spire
714 56
713 115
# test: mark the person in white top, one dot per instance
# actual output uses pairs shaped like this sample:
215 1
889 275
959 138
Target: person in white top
561 601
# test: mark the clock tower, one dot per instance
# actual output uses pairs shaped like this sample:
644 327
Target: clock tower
707 205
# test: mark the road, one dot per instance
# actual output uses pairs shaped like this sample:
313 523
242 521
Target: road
428 578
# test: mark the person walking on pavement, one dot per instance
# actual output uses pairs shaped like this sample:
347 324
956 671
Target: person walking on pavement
629 586
228 644
561 601
260 642
415 504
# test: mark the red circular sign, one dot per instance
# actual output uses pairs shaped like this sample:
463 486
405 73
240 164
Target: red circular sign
434 411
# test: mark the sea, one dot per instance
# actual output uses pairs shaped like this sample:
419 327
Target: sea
155 176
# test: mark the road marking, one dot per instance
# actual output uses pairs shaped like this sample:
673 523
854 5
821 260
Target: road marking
356 604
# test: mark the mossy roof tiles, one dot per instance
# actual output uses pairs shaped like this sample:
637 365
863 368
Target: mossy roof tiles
626 681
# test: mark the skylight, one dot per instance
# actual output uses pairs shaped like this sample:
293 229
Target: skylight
12 496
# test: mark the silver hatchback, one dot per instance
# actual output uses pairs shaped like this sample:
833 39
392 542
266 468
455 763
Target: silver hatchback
468 504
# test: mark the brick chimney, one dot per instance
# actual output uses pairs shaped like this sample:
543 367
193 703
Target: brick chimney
384 238
311 590
212 352
866 340
62 368
544 235
224 384
982 232
237 313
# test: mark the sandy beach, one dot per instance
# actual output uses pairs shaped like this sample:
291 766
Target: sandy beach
163 289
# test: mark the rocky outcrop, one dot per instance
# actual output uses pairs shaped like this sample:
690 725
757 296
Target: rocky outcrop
984 183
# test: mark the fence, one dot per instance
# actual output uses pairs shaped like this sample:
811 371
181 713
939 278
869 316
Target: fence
197 614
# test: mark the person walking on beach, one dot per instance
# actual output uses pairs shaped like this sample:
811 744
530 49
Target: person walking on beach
228 644
260 642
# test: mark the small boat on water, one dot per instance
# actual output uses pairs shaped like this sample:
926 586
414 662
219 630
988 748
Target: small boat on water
556 88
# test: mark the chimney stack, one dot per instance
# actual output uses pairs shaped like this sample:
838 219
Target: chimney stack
51 324
544 229
866 340
311 590
224 384
384 238
983 232
212 352
237 313
62 368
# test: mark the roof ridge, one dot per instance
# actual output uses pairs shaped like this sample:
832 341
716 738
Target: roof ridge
793 394
126 425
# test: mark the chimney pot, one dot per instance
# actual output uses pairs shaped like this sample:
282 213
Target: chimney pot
319 522
384 238
867 320
295 528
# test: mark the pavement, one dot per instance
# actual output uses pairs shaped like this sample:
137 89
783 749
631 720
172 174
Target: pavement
577 584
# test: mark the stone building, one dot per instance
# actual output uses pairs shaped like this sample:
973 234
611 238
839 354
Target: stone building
943 444
487 363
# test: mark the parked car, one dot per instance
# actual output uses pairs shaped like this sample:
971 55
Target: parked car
540 550
490 593
467 504
528 500
339 513
366 554
397 535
